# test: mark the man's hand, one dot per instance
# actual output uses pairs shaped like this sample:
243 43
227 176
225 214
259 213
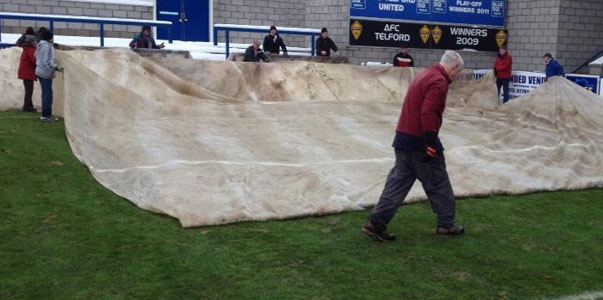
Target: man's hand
336 53
162 45
323 52
58 69
430 138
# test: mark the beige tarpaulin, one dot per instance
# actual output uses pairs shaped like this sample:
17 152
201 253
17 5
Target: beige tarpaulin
218 142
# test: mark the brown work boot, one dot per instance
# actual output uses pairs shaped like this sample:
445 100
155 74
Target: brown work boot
454 230
381 236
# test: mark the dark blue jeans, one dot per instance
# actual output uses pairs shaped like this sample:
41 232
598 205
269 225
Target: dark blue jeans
504 83
46 85
432 175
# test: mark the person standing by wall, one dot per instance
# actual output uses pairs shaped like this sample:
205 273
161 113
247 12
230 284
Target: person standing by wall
27 69
419 152
273 42
502 70
46 67
324 44
403 59
553 67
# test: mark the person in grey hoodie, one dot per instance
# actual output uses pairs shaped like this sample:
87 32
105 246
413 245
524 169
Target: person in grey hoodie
46 66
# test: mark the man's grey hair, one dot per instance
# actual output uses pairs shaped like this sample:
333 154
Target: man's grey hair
452 58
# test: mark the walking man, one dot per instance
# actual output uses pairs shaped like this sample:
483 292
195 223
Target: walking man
419 152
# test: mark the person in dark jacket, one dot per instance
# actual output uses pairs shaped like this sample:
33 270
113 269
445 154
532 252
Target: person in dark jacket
553 67
273 42
324 44
419 152
144 40
255 54
28 32
502 70
403 59
27 69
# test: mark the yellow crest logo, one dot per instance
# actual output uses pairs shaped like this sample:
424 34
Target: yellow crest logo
425 33
356 29
501 38
437 34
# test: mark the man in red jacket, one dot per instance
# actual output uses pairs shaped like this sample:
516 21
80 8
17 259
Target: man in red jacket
419 152
502 71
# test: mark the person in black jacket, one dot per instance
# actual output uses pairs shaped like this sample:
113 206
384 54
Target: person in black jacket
403 59
254 53
324 44
273 42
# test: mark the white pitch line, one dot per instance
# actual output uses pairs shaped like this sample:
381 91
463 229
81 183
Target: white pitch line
591 295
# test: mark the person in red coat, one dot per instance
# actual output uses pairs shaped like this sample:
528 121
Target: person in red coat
502 71
419 152
27 70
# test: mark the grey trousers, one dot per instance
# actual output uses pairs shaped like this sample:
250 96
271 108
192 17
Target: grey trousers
432 175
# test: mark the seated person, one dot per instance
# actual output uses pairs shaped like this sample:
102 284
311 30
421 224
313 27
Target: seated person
144 40
254 53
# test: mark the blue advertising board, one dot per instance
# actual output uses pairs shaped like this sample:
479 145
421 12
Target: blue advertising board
588 82
472 12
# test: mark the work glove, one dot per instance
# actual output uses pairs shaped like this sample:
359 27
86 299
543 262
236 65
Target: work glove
430 138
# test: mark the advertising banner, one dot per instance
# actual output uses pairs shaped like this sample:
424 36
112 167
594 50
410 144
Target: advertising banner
471 12
521 82
426 36
589 82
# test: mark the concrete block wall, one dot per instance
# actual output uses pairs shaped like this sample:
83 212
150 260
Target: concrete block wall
283 13
568 29
75 8
533 27
580 31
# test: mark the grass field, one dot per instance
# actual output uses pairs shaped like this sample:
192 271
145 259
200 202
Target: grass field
64 236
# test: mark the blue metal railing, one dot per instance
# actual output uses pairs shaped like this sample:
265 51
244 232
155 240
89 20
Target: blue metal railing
75 19
227 28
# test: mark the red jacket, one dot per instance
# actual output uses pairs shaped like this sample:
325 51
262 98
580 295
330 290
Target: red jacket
425 102
27 66
503 66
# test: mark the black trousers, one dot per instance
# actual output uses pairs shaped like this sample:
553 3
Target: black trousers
27 101
432 175
504 83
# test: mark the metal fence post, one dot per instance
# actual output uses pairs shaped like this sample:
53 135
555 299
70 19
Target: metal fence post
51 26
312 45
102 34
215 36
0 30
227 35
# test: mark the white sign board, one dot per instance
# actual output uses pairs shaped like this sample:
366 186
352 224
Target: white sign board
521 82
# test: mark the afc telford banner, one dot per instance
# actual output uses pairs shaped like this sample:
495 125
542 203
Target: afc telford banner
394 34
472 12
